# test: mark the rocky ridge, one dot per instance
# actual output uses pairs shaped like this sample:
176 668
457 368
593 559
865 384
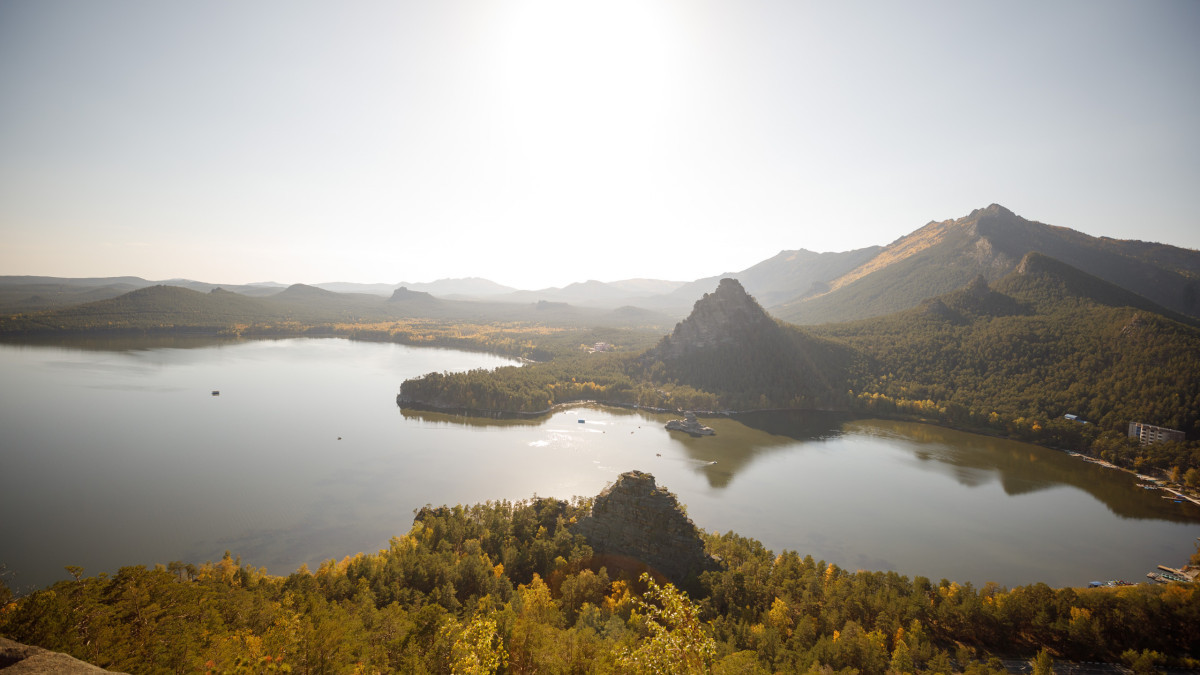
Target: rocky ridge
943 256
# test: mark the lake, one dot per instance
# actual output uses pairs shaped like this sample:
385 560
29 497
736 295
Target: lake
116 453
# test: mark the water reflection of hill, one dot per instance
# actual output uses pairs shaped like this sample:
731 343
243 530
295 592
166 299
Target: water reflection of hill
800 425
450 419
970 459
748 436
1022 468
125 342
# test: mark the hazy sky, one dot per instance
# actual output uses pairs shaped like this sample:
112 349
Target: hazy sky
540 143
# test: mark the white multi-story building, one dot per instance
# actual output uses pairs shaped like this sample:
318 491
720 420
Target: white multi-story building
1148 433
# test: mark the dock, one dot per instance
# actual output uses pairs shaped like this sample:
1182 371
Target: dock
1180 495
1167 577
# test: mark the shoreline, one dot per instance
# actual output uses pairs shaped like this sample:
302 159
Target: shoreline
1160 483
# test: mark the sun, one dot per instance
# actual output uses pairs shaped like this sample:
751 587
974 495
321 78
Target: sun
583 79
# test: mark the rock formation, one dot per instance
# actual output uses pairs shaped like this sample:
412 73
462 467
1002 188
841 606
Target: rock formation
635 518
689 424
724 317
729 346
20 658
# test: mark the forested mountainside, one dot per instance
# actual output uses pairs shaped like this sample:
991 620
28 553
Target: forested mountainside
1045 341
991 242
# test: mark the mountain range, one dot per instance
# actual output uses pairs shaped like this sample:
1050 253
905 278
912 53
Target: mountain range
1013 356
798 286
943 256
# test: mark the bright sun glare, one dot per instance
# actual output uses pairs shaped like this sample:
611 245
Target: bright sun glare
585 88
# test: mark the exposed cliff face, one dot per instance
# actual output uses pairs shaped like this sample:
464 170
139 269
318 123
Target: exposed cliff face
637 519
724 317
731 347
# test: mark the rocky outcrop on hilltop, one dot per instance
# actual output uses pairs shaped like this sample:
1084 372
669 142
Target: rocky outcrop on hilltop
731 347
637 519
724 317
20 658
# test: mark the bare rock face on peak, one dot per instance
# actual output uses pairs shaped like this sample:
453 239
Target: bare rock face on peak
724 317
636 519
731 347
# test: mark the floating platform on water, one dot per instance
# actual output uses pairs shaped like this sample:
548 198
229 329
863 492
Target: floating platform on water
689 424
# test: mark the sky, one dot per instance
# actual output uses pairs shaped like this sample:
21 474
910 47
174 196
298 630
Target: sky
538 143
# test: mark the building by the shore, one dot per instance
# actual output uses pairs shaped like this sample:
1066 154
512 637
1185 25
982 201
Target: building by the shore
1148 433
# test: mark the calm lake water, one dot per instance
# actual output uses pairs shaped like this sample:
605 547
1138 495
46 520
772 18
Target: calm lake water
117 454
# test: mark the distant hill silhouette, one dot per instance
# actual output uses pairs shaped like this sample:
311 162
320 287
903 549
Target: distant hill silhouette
784 276
402 294
797 286
152 307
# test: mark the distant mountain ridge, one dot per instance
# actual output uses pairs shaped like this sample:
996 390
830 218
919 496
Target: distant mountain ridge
798 286
470 287
176 308
943 256
784 276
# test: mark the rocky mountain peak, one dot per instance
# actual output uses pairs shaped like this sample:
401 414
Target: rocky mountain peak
725 316
992 210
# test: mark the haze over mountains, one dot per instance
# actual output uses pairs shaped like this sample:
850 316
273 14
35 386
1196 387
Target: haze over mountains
798 286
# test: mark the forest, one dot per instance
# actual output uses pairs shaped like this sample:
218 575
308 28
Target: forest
505 587
1015 358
